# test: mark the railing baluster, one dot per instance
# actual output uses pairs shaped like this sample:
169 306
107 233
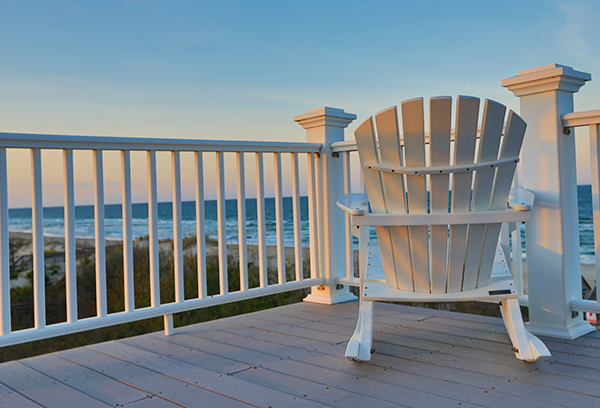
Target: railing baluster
153 231
348 232
70 243
297 218
200 238
4 249
260 220
221 217
177 234
279 220
595 162
39 303
241 209
312 215
127 231
101 308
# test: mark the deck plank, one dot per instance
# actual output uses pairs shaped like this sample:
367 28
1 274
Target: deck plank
449 374
43 389
11 398
148 381
90 382
192 374
415 383
294 356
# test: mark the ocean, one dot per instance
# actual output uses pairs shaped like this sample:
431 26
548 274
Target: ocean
20 220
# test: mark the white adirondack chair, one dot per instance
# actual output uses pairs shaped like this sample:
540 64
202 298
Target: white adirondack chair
426 251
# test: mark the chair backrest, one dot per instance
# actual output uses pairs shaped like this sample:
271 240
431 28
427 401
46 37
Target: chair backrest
439 258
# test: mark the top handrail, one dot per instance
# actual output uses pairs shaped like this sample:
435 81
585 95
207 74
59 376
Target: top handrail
585 118
42 141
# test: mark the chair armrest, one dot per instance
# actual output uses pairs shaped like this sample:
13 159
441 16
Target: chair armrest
354 204
520 199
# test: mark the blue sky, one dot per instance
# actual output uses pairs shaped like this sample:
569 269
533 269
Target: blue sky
243 69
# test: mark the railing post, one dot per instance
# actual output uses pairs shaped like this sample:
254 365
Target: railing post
326 125
552 235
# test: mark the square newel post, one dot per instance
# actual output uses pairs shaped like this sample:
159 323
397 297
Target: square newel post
326 125
548 160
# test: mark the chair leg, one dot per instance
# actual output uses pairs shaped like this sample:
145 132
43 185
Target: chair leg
525 345
359 345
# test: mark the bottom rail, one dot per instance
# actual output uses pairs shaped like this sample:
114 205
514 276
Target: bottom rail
61 329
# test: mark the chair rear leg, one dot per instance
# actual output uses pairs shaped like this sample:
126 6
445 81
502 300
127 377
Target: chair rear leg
359 345
525 345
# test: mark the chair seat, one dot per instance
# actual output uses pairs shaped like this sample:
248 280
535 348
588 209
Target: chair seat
375 289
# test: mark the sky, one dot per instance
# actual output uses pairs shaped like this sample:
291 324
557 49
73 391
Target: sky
243 69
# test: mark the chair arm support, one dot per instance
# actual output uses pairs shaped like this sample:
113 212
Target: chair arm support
520 199
483 217
354 204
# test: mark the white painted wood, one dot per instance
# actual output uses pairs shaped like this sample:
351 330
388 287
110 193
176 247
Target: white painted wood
221 220
520 199
25 140
153 248
4 249
200 235
297 219
482 217
326 126
553 254
70 246
112 319
390 154
127 231
168 323
37 225
312 217
177 233
101 307
241 211
489 146
467 110
367 152
595 164
354 204
348 224
260 220
414 150
279 219
586 118
440 118
443 170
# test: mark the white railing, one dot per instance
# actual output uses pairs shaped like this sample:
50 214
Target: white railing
591 119
200 148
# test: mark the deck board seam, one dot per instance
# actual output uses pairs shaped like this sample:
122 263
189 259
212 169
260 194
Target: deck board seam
386 382
412 373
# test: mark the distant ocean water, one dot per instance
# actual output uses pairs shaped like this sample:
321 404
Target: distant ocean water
20 220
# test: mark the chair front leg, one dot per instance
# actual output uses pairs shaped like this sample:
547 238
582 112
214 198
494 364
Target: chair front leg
525 345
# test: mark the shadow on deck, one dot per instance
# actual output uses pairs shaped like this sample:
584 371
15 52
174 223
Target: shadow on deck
294 356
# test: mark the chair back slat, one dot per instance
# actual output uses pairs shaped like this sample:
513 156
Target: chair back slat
511 146
413 127
489 145
390 153
440 123
467 111
367 152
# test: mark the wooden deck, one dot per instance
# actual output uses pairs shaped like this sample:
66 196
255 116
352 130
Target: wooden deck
293 356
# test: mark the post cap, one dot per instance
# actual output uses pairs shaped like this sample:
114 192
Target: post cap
325 116
546 78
